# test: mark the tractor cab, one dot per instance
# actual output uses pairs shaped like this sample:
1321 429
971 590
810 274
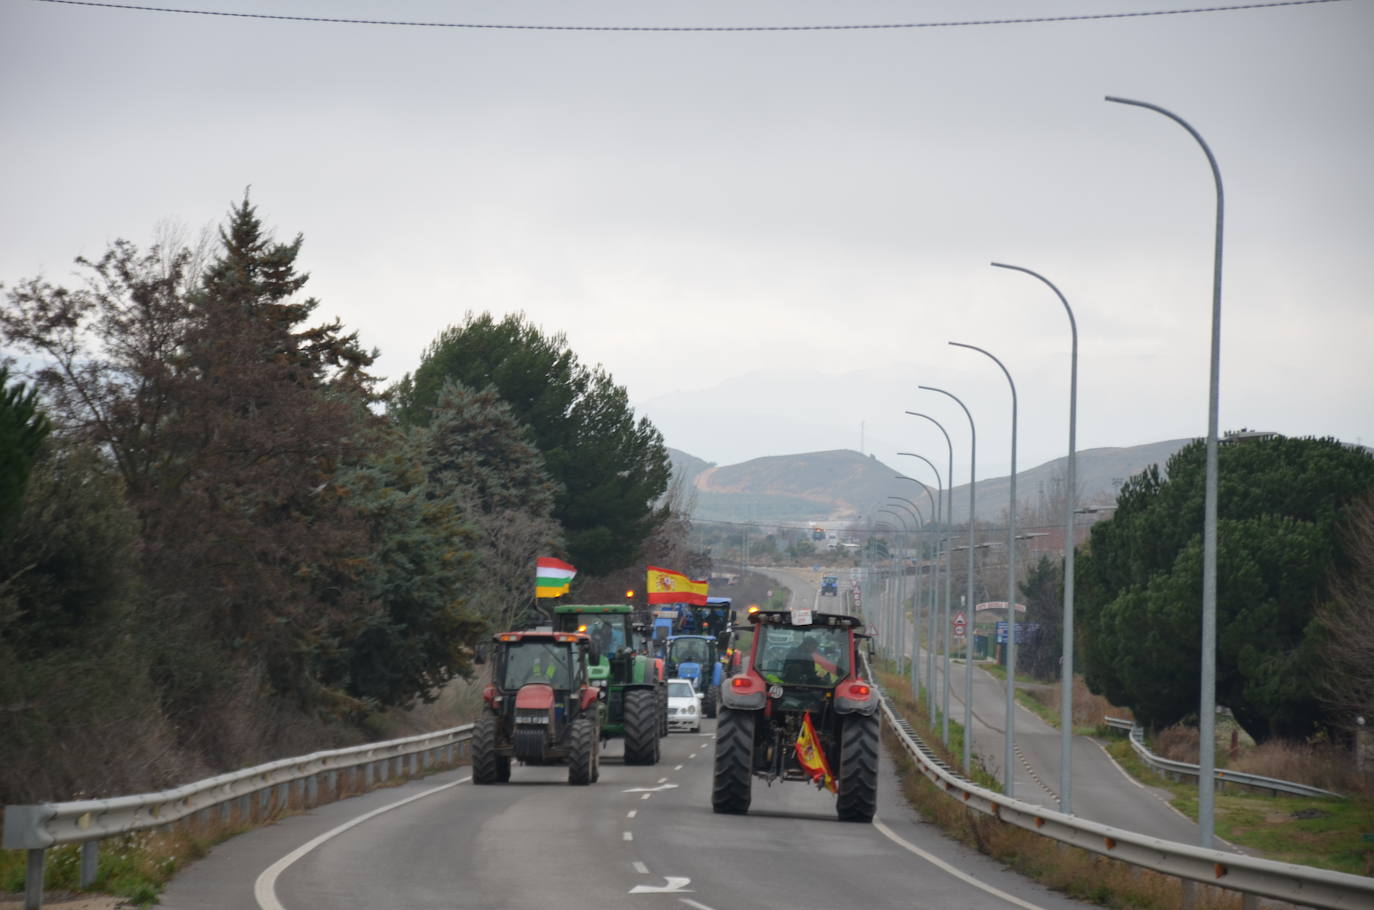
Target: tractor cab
695 657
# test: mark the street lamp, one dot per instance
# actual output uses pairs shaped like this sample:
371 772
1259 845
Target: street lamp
949 567
934 589
936 504
894 622
1207 704
968 597
1008 774
918 516
1070 544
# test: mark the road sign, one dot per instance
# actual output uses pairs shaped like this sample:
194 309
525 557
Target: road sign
1024 631
960 625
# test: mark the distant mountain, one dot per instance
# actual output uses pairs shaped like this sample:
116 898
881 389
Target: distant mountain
843 485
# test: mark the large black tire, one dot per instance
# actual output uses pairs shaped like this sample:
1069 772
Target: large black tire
487 766
858 771
641 727
734 760
709 702
582 742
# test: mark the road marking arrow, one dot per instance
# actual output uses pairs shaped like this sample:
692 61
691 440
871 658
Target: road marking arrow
650 789
676 885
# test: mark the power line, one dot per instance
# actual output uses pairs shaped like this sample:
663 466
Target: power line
1023 20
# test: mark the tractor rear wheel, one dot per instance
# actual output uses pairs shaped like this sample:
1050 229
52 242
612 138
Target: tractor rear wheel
858 786
582 743
641 727
487 766
734 760
708 704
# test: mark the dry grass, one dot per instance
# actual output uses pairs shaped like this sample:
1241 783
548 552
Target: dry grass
1324 765
1090 712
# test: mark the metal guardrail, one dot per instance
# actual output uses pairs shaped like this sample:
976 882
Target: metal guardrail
1170 767
39 827
1250 876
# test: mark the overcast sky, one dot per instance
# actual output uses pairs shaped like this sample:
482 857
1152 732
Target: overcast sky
767 237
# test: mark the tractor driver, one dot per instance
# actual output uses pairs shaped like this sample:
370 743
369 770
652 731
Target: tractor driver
601 634
806 665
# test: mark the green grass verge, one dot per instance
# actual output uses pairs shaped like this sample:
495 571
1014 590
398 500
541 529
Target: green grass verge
1276 827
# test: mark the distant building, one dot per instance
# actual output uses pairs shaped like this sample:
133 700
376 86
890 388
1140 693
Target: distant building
1247 435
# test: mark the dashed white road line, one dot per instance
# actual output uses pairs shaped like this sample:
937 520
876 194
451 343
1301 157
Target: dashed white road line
641 868
663 780
941 864
693 755
646 796
265 888
632 813
627 835
676 768
691 903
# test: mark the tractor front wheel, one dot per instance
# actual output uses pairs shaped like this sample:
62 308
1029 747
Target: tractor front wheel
734 760
487 766
641 727
858 786
583 739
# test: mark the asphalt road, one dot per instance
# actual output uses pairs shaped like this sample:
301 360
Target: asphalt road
641 837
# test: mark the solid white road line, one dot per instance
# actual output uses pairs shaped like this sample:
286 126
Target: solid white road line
265 888
962 876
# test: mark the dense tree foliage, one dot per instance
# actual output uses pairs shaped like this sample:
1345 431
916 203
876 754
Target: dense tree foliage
610 469
1281 504
1346 648
1043 592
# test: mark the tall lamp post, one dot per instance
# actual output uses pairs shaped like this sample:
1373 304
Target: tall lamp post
1009 777
949 567
917 516
1207 707
894 623
1070 544
880 612
934 589
968 596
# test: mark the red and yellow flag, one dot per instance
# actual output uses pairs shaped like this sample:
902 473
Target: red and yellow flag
664 586
811 757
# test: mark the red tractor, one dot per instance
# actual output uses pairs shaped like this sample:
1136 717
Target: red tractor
799 710
541 707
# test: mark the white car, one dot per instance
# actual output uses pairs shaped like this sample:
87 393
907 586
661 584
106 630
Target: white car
684 706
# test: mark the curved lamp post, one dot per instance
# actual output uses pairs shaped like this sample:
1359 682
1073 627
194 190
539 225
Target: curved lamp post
968 596
1207 708
918 516
1009 777
948 521
1070 544
935 503
892 627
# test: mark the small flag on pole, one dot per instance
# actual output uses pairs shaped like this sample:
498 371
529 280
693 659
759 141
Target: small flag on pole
552 577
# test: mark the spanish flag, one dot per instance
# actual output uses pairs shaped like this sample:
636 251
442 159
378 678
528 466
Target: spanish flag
811 757
665 586
552 577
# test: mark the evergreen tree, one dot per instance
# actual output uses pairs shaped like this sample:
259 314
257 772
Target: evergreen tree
22 430
610 468
1281 503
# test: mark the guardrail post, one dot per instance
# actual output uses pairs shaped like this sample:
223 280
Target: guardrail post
33 881
90 862
1249 902
1189 894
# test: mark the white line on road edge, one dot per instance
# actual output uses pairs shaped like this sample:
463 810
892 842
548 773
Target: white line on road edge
265 888
691 903
936 861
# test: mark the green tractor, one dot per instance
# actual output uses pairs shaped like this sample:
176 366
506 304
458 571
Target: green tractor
633 680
